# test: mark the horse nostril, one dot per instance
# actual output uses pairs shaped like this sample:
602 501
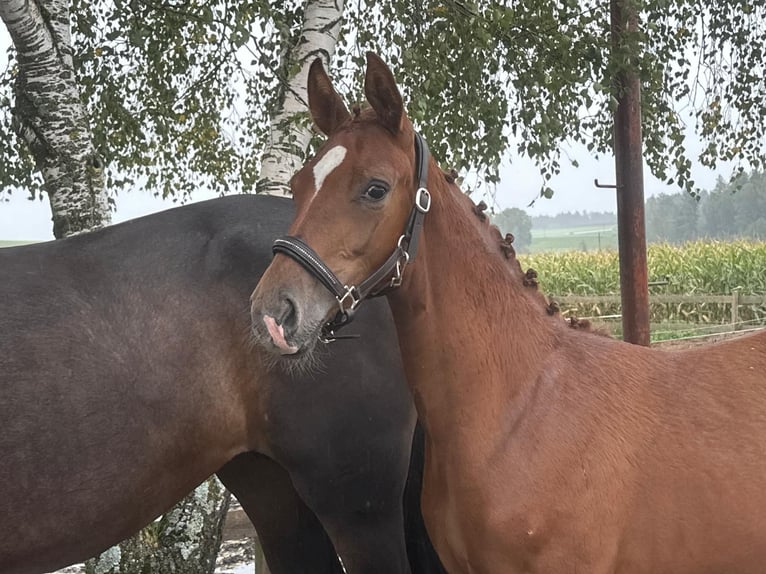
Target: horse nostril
289 316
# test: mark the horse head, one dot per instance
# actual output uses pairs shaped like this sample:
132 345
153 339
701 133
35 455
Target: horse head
359 205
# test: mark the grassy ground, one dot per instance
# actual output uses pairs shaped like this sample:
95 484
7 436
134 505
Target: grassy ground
670 330
584 238
7 243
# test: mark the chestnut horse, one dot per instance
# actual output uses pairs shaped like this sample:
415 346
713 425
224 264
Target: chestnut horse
127 376
548 449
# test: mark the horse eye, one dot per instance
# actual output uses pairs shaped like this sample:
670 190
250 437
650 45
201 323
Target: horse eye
376 191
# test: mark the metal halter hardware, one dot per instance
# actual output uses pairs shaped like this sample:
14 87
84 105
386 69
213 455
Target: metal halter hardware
389 274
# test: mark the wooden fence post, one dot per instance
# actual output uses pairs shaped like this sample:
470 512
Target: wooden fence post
735 307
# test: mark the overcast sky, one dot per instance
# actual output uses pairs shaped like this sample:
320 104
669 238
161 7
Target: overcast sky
21 218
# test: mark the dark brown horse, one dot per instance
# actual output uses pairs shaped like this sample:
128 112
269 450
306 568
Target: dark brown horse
127 376
548 449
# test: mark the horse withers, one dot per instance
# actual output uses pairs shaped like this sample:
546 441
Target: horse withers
548 449
128 375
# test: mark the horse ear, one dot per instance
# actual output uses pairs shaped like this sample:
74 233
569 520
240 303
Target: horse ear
327 108
382 93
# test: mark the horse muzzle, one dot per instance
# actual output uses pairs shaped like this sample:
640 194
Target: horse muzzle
288 320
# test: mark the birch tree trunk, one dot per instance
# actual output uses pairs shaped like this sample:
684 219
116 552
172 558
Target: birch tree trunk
290 123
49 116
183 541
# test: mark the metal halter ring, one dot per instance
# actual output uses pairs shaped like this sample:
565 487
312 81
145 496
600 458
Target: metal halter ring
421 193
351 293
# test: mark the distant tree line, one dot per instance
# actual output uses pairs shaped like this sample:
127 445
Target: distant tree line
574 219
730 210
520 223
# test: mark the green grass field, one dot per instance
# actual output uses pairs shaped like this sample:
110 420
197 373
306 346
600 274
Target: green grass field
584 238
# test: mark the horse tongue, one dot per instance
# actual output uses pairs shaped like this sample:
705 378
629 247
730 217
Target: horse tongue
278 336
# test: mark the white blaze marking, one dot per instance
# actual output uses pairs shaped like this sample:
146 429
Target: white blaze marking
324 167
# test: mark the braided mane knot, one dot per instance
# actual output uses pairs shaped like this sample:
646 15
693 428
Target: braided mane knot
506 246
480 209
530 278
552 308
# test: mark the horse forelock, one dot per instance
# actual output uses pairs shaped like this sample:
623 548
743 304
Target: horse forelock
365 117
361 117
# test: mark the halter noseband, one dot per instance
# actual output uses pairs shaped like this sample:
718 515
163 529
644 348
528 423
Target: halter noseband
349 297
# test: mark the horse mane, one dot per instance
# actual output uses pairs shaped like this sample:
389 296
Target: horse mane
528 277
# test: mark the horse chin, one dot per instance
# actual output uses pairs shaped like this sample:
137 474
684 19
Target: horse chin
306 360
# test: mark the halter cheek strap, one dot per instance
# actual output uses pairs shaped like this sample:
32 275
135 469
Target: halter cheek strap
388 276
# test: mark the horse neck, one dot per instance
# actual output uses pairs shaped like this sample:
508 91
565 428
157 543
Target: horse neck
473 337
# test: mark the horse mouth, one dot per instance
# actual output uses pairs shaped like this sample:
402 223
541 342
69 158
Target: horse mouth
287 327
294 356
282 345
277 334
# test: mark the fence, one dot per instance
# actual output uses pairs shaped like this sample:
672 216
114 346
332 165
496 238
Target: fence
591 307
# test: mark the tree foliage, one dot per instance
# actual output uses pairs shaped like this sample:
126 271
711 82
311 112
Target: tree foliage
170 102
179 93
516 221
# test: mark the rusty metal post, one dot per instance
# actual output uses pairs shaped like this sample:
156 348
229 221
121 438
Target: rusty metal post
631 231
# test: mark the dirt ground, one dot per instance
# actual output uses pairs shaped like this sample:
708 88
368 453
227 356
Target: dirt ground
235 557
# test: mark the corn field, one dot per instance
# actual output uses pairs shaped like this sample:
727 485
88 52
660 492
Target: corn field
700 267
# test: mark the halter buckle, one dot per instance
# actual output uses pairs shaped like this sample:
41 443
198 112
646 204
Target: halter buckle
351 294
420 195
327 337
401 264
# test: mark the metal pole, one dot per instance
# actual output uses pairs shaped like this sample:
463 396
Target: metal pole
631 233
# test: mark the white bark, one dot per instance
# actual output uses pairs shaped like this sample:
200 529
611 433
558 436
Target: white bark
49 116
290 125
183 541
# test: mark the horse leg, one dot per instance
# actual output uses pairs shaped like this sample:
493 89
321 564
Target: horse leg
369 542
363 516
293 540
422 555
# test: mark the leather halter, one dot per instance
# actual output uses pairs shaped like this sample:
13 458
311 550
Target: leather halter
387 277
